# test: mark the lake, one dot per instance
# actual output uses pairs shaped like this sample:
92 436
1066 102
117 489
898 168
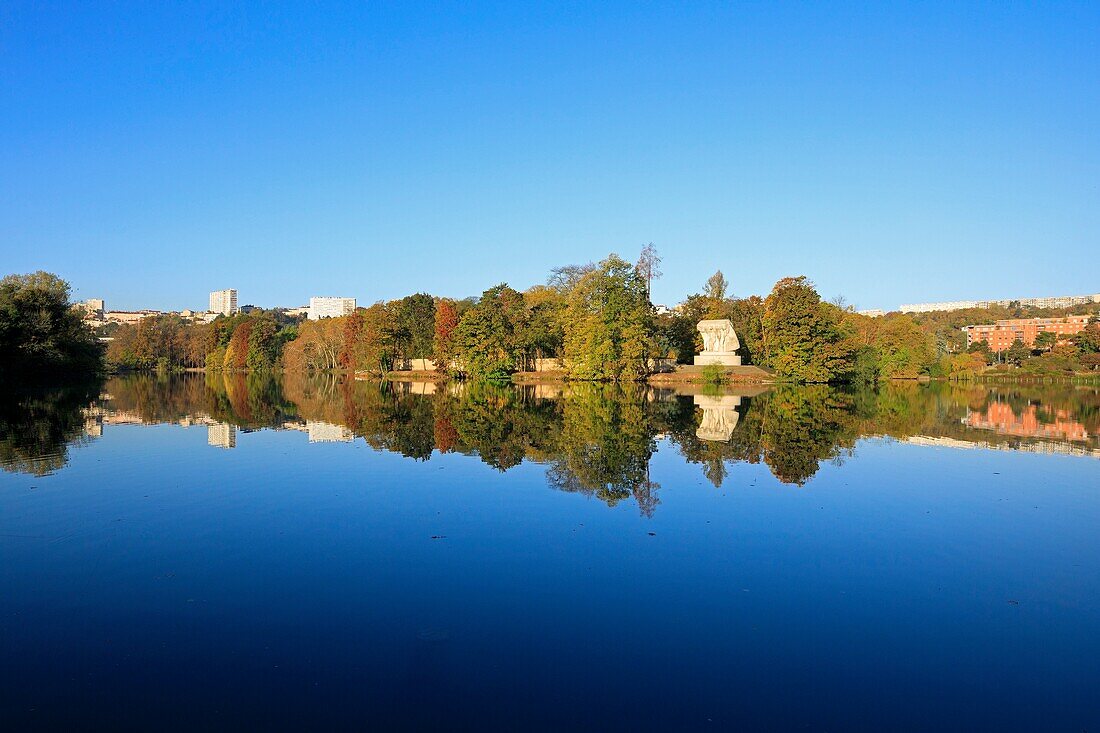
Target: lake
243 551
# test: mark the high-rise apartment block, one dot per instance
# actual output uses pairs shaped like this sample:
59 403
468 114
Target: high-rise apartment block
224 302
326 307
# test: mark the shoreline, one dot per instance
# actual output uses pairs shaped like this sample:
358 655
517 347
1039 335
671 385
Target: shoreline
683 375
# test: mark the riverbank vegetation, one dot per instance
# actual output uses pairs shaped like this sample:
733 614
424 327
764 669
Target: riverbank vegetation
41 337
589 322
253 341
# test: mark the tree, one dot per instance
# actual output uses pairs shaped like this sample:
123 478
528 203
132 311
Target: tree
1087 341
888 347
649 267
236 352
489 337
197 343
565 278
715 289
263 344
318 346
545 317
40 333
1016 353
353 332
446 321
966 364
414 324
156 341
746 315
677 332
801 337
1045 341
366 340
608 329
981 348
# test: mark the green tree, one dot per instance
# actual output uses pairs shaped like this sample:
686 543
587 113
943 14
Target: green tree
489 336
263 344
676 331
142 345
1017 353
414 326
747 317
1045 341
41 335
609 330
366 340
715 290
801 337
545 331
981 348
888 347
1087 341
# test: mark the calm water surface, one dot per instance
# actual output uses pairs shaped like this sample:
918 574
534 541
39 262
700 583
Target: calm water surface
227 552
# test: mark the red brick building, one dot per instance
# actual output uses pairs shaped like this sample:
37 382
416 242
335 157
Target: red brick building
1001 334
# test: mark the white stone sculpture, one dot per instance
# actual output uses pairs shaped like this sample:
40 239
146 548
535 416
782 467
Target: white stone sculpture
720 344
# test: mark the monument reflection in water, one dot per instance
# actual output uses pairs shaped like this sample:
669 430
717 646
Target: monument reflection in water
251 551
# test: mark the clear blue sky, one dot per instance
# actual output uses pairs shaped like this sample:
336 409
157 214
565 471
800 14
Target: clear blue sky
152 152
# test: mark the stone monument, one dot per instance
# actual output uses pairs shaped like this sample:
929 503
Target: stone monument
720 344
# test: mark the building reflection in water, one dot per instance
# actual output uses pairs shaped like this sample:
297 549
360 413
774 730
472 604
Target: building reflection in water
221 435
1028 422
320 431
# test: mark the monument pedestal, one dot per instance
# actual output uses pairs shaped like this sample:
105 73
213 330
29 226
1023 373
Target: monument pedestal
727 359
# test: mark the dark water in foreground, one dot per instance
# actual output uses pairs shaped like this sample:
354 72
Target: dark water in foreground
249 553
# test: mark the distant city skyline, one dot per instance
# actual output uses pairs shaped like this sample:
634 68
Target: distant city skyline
891 153
329 306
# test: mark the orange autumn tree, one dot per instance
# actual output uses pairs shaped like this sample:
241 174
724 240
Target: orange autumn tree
236 353
446 320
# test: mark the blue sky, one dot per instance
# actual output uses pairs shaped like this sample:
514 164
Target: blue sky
152 152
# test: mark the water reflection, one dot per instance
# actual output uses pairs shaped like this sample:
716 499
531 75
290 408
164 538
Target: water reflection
594 439
37 428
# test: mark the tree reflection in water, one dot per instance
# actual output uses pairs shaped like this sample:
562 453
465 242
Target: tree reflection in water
37 427
595 439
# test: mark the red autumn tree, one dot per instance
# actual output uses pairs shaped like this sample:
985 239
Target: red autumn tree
446 320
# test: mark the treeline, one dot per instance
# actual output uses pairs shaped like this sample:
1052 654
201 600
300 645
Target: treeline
597 321
252 341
